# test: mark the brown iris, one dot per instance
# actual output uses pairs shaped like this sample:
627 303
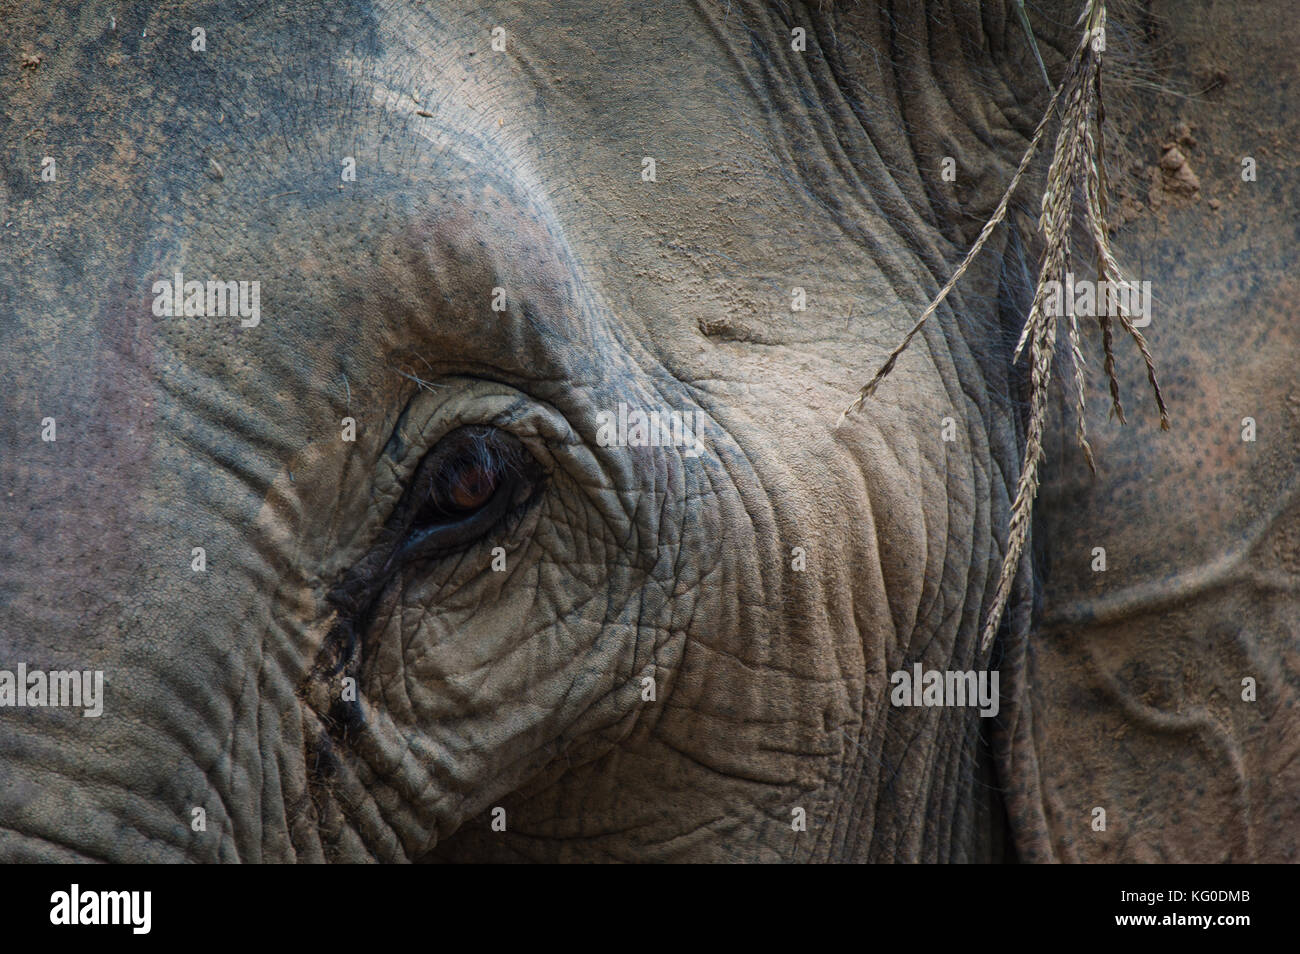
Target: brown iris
471 486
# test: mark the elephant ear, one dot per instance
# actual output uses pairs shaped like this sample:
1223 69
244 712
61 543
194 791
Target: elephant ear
1151 696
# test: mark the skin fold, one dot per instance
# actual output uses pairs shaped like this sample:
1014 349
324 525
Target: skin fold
326 690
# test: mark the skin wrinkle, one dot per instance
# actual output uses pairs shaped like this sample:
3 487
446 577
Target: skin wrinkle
120 819
936 781
884 838
231 765
914 86
914 610
1199 723
835 146
860 235
62 854
920 816
897 210
860 822
392 772
900 65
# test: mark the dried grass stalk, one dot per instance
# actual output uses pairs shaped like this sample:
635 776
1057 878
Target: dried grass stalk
1077 167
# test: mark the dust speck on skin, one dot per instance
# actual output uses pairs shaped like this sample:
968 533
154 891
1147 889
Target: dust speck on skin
1178 174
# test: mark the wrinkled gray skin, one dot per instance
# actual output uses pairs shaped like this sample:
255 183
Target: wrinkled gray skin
524 689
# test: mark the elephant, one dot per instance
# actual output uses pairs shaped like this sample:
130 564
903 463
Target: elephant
424 438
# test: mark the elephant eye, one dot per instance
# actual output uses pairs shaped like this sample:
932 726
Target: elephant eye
465 486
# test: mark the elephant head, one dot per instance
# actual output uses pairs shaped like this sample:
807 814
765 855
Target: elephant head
428 422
